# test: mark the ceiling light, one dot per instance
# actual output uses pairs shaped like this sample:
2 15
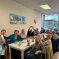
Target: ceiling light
45 7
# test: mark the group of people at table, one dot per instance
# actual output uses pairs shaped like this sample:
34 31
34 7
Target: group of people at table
37 51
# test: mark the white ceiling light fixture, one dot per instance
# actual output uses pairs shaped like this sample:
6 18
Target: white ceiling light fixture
45 7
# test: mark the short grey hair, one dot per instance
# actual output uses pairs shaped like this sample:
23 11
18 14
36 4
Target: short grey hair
3 30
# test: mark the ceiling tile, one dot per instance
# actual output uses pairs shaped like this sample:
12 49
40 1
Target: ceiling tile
34 4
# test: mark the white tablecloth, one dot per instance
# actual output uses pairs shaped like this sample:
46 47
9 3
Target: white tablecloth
21 48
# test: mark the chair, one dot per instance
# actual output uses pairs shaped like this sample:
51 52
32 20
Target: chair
7 52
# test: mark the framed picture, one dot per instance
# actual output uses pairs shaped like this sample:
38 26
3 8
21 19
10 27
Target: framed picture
17 19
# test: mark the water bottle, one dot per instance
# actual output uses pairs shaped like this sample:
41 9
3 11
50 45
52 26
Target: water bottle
32 39
27 39
28 42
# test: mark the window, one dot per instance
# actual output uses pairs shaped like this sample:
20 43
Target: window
51 21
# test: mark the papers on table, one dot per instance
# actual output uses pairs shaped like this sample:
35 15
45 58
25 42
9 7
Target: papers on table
43 34
22 44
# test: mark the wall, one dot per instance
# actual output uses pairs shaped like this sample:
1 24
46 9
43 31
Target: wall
9 6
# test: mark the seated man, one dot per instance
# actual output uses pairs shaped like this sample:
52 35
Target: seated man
56 31
55 36
22 34
42 30
50 30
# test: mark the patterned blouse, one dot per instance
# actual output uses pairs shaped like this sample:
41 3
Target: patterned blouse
2 48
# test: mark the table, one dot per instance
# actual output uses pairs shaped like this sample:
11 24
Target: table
21 48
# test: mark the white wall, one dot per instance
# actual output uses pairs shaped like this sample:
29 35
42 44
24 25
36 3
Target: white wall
7 7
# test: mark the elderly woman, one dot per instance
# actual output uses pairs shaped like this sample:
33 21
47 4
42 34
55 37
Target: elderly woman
22 34
15 38
37 32
47 32
48 40
37 50
44 35
2 41
48 47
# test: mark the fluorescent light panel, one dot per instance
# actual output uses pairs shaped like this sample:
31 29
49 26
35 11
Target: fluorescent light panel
45 7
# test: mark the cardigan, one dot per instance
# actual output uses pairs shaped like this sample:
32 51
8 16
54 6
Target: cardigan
37 47
12 38
47 42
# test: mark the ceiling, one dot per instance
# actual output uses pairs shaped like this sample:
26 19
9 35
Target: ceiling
34 4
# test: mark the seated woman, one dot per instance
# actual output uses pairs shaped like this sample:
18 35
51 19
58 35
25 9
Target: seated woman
15 38
37 49
30 32
2 41
47 32
37 32
22 34
42 30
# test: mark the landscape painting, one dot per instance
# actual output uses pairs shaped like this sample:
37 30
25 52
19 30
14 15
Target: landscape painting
17 19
